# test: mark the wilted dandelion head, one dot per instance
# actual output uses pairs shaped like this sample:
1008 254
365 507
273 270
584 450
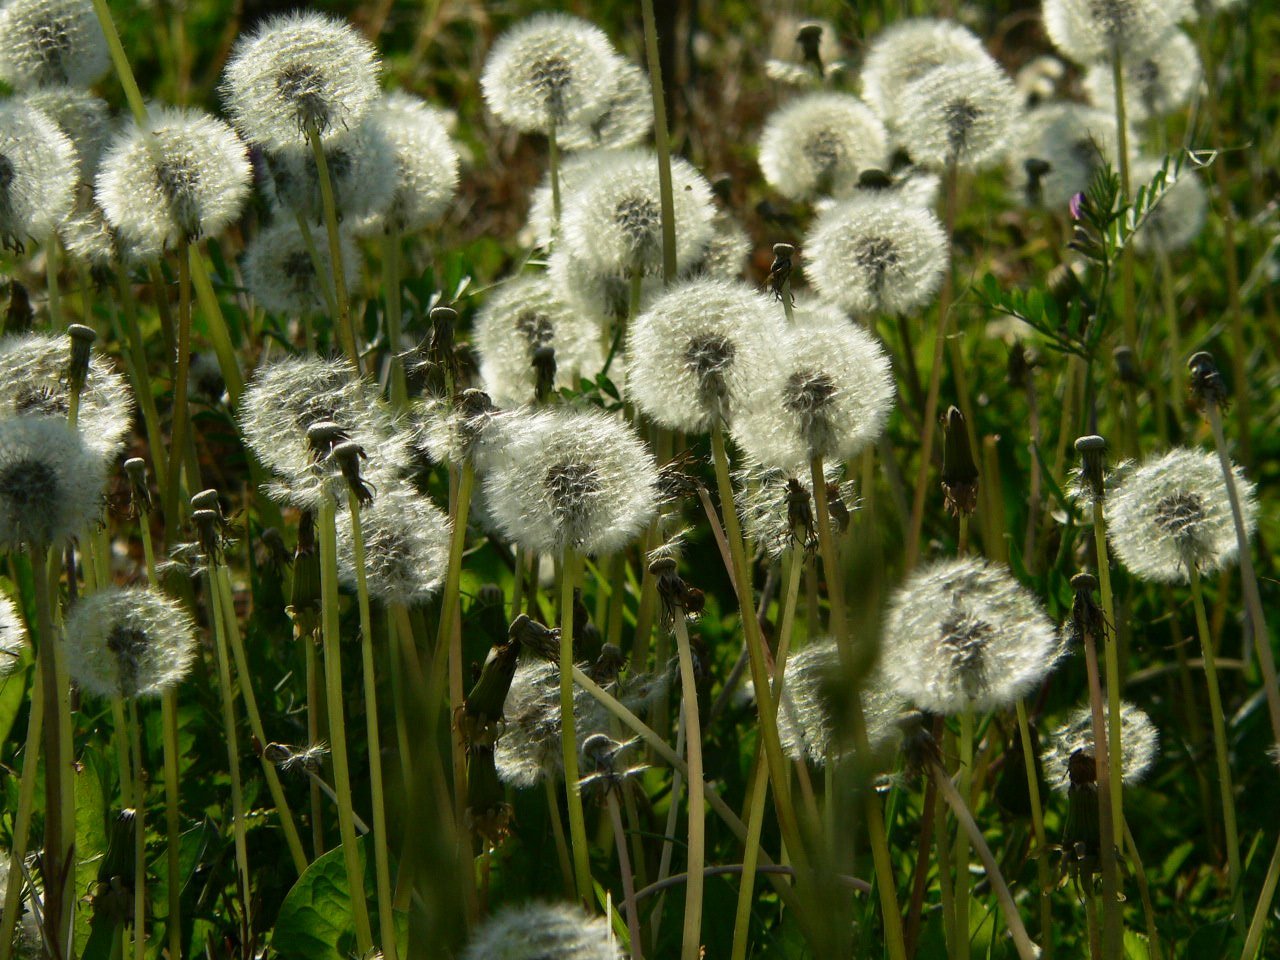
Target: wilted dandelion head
1155 85
280 273
1140 744
45 42
523 316
50 482
38 172
963 113
694 352
1089 30
627 118
83 118
180 175
907 51
827 393
362 170
1179 216
536 931
33 382
406 545
1059 149
964 635
875 253
817 145
13 635
133 642
426 161
550 70
777 510
1173 512
573 479
298 72
613 222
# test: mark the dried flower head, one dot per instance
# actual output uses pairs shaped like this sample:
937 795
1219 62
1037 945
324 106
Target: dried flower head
38 173
299 72
50 482
426 161
907 51
1155 85
1089 30
876 253
1059 149
627 118
964 635
406 545
83 118
180 175
1178 217
827 394
694 353
549 71
818 143
13 636
133 642
534 931
1140 744
280 273
1173 512
963 113
45 42
578 480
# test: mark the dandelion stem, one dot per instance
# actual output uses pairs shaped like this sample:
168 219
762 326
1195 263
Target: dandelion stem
216 324
568 736
962 838
661 142
395 315
557 832
22 817
343 321
668 834
628 878
1111 654
553 161
957 941
137 360
314 707
1129 329
691 942
178 439
1037 826
139 837
1259 923
1144 893
120 60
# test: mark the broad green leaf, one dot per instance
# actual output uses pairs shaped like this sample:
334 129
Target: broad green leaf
316 921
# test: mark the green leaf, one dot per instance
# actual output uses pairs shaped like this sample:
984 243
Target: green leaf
316 921
1136 946
13 689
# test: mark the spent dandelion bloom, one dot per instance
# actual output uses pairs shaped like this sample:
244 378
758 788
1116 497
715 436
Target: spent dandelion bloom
299 72
1155 85
1059 148
526 315
828 393
1178 217
1173 512
776 506
88 240
38 173
34 382
693 354
613 222
818 143
567 479
128 642
467 429
50 482
426 161
965 635
911 184
182 174
803 53
534 931
1090 30
549 71
83 118
47 42
908 50
963 113
876 254
627 118
728 250
13 636
1139 738
406 544
280 273
362 171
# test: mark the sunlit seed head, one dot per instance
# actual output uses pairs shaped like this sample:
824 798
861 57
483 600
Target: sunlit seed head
298 72
596 295
1089 30
963 113
1173 512
13 636
964 635
876 254
38 174
627 118
550 70
1155 85
538 931
1139 738
694 352
83 118
818 143
529 748
49 42
426 161
50 482
575 170
280 272
907 51
1179 216
776 506
1074 140
727 252
406 543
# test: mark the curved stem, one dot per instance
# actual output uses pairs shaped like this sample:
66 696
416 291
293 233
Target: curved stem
1259 923
1037 826
690 943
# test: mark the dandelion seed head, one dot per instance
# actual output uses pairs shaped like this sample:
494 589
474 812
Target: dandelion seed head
964 635
727 252
765 497
50 482
1175 222
280 273
83 118
426 161
627 118
598 296
965 113
575 170
536 931
48 42
1139 738
38 173
13 636
1074 140
907 51
406 544
362 170
1089 30
88 239
818 143
529 748
1155 85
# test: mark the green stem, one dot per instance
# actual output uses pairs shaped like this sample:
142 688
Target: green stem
553 162
169 720
137 358
661 143
223 348
178 440
314 707
1259 923
132 95
1037 826
691 942
568 735
1114 681
22 817
557 831
343 321
961 855
395 316
1144 893
139 838
957 942
1129 308
628 877
323 281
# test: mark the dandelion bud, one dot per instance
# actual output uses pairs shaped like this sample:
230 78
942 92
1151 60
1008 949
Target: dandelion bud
963 114
50 482
536 930
84 119
601 764
406 547
1093 462
809 37
37 174
544 370
1207 385
780 272
1126 365
426 161
18 316
210 531
128 643
1155 85
1140 745
907 51
1091 30
135 469
13 636
541 641
482 706
280 271
82 339
959 472
817 144
45 42
1178 217
487 814
207 500
626 120
362 171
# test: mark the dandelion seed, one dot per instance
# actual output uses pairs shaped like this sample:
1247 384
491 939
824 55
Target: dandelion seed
962 113
534 931
296 73
1140 745
280 273
425 158
876 254
551 70
693 354
84 119
468 430
1173 513
1179 216
575 170
627 118
907 51
406 543
964 635
37 174
47 42
1071 141
1089 30
13 636
50 482
179 176
1156 85
362 171
818 144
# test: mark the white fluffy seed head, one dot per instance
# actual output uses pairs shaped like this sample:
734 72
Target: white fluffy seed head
281 275
1139 739
550 70
13 636
128 643
876 254
613 222
426 161
817 144
1089 30
296 72
46 42
529 749
524 315
575 170
88 239
600 296
1074 140
727 252
964 635
764 498
573 479
627 118
964 113
907 51
1159 83
38 173
1174 512
406 544
180 175
537 931
362 169
1177 219
693 355
83 118
33 382
827 393
50 482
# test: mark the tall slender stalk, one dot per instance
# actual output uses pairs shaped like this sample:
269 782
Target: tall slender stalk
661 142
1129 307
961 854
22 816
1259 923
628 877
1111 654
395 316
139 836
1037 827
568 734
344 323
557 832
178 439
691 942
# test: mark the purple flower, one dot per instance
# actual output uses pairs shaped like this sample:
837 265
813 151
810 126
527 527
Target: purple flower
1076 205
